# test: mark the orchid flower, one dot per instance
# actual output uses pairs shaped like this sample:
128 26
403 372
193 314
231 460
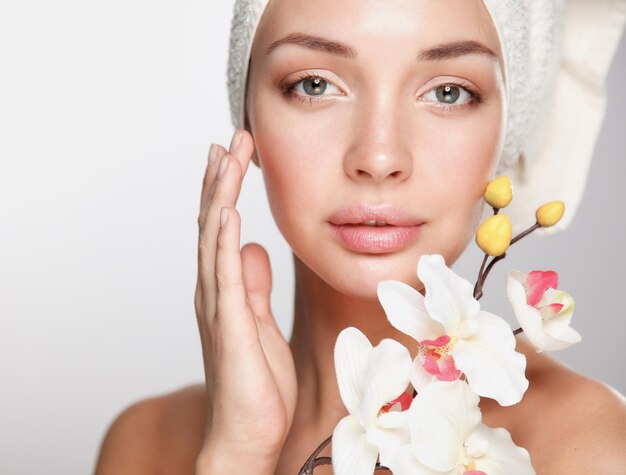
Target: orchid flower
447 437
454 335
543 311
372 383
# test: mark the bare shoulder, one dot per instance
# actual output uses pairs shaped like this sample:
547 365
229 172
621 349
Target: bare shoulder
162 434
592 419
579 424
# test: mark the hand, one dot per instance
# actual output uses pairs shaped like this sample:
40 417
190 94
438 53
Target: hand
249 369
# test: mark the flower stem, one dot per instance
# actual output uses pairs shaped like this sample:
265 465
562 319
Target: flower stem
310 464
478 285
314 461
525 233
484 272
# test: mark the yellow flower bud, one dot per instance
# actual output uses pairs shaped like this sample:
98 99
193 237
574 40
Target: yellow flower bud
494 235
499 192
550 213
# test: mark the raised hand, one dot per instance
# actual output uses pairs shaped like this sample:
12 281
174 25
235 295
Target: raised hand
250 375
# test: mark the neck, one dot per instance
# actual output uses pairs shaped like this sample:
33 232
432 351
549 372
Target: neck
320 313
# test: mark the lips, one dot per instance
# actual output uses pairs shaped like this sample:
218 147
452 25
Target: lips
362 213
374 230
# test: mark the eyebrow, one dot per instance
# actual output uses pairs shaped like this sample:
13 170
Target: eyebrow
436 53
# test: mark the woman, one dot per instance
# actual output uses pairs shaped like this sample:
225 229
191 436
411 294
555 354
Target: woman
376 125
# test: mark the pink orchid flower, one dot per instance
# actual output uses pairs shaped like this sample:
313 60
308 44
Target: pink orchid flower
370 378
454 335
543 311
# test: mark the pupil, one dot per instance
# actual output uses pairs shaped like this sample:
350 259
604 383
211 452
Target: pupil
448 93
314 86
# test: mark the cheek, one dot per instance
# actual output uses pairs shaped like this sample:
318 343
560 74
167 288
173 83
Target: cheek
300 161
292 174
458 160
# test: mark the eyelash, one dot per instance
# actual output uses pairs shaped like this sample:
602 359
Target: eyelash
475 97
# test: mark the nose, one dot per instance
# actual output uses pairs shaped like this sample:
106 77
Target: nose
378 152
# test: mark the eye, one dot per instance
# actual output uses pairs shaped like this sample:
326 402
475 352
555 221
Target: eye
452 95
308 87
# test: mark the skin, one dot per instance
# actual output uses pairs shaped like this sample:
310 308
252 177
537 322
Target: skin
378 135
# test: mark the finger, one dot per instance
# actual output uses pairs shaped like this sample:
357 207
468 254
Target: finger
215 155
227 184
231 292
241 149
242 146
257 278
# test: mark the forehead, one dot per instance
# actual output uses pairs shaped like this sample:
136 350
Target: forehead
377 25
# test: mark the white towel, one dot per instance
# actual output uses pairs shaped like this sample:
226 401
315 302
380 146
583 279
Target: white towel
557 54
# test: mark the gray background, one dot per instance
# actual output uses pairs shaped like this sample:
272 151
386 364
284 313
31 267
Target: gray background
108 110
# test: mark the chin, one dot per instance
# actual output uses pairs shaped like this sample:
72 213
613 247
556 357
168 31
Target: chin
356 275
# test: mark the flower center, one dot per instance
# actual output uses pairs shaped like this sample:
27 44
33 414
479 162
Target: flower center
401 403
436 358
475 448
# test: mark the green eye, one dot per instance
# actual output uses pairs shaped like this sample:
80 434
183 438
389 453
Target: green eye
451 95
448 93
314 86
310 87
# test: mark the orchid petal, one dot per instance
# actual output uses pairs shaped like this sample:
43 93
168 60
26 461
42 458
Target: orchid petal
393 420
420 378
386 376
550 310
449 298
351 454
559 335
440 419
564 299
531 322
405 463
537 282
489 360
405 310
401 403
352 352
391 434
442 367
502 456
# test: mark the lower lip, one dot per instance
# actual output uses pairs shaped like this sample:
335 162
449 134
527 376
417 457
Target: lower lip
376 239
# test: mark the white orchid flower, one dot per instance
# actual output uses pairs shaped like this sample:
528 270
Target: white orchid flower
454 335
372 383
543 311
447 437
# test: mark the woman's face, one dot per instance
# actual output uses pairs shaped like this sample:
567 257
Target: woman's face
386 110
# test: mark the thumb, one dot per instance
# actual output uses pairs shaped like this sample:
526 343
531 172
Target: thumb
257 277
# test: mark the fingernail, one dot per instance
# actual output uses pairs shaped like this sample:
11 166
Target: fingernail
223 217
212 154
235 142
222 169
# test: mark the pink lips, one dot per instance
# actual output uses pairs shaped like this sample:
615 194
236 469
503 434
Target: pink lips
401 229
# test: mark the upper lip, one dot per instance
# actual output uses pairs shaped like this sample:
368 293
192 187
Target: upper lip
361 213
